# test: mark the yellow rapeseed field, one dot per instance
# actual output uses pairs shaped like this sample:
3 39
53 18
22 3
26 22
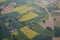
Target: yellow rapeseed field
28 32
23 9
28 16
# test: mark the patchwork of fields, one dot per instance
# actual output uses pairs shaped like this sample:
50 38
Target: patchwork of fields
29 20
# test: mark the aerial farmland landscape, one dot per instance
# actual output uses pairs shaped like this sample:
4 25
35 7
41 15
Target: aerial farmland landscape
29 19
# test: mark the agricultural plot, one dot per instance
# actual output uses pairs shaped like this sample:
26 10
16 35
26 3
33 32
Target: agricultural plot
23 9
28 16
28 32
